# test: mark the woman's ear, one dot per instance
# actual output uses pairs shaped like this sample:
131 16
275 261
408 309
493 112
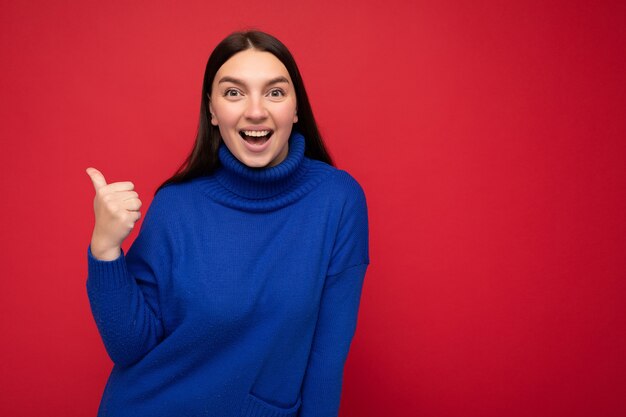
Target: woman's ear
213 118
295 116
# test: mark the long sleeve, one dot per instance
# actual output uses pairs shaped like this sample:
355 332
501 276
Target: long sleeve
123 293
321 390
339 306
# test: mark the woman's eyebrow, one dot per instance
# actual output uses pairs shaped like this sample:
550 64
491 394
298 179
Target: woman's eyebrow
279 79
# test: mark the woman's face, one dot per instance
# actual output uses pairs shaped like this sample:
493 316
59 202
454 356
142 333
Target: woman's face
252 91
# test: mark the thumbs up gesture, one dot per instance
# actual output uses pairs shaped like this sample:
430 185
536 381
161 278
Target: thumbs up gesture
116 207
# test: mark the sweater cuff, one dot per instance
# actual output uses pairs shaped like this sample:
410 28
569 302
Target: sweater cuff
107 275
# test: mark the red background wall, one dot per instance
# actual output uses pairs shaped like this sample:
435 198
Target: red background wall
489 139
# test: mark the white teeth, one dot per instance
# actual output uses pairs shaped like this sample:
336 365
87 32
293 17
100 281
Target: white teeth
256 133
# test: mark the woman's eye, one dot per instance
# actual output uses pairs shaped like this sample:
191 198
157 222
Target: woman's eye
230 90
279 91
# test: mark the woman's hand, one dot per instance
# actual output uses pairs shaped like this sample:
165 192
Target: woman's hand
116 207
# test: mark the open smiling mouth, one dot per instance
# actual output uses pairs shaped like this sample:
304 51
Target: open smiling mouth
256 138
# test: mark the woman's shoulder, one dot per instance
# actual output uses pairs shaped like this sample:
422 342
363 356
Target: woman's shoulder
342 184
174 197
338 178
172 205
170 193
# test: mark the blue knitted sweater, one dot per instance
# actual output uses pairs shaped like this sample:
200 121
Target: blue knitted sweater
239 297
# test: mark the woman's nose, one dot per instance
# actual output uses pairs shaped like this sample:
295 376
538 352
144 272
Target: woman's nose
256 108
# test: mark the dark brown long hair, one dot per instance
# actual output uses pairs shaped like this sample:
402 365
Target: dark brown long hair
203 158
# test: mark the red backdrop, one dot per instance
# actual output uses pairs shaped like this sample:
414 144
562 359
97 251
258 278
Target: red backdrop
488 137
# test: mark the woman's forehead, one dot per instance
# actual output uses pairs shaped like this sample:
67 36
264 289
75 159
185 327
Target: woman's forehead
253 66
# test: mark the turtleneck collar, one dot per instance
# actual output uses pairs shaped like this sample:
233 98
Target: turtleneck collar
239 186
256 183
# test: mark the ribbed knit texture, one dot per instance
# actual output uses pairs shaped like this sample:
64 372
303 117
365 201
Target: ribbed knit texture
240 295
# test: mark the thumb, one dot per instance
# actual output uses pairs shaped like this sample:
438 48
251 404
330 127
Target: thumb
96 177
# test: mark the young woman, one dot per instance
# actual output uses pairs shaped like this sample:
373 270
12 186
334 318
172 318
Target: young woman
239 296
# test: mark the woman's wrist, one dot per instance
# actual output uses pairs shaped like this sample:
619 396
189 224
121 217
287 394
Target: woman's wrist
104 252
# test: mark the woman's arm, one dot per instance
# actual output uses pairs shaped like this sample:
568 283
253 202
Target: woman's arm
123 293
339 306
336 325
